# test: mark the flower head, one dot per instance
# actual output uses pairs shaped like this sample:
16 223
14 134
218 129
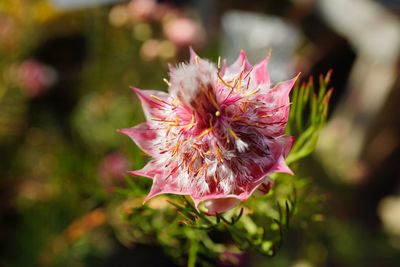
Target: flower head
217 134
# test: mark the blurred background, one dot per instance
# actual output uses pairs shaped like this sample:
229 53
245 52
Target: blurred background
65 68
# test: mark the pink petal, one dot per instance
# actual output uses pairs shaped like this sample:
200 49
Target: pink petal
151 169
240 65
282 167
286 142
260 75
254 185
276 105
161 186
152 107
220 205
143 136
265 187
281 148
280 92
194 58
193 55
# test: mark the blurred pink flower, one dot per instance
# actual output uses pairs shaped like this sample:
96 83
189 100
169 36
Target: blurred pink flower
112 169
35 77
231 259
184 31
217 134
142 10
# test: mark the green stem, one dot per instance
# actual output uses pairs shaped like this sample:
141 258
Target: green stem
194 247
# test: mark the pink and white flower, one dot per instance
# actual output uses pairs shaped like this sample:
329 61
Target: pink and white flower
217 134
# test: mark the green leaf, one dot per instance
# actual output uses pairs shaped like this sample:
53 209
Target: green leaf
193 249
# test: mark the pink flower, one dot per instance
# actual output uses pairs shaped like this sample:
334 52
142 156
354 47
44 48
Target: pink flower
184 31
35 77
217 134
111 169
142 10
231 259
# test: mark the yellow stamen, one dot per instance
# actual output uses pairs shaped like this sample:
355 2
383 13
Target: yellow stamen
253 124
161 120
232 133
185 142
198 150
239 87
251 93
156 98
175 102
266 116
217 113
192 122
167 82
223 81
235 82
219 154
244 106
205 132
160 100
239 119
176 149
211 96
192 161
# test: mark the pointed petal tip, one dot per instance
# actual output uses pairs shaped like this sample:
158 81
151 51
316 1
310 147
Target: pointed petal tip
146 199
282 167
127 131
242 56
135 89
123 131
131 173
193 54
150 196
292 139
289 171
139 173
269 54
286 85
140 92
260 73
